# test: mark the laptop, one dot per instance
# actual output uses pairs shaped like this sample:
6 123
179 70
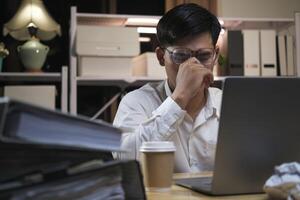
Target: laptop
259 129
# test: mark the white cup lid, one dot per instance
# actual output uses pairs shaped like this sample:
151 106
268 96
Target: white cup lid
158 146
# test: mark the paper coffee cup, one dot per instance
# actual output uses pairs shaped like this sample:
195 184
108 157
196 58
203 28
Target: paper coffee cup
157 165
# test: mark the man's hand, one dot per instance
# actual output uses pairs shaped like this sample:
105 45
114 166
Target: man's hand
192 78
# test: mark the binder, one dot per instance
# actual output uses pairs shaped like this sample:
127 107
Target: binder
29 124
68 185
132 180
290 56
251 53
46 154
282 55
113 180
34 138
268 52
17 160
235 53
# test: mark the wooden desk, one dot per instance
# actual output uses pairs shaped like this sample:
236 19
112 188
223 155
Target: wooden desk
181 193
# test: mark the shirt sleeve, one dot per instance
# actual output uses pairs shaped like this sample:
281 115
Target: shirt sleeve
139 126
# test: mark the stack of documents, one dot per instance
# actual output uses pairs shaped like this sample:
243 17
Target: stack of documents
46 154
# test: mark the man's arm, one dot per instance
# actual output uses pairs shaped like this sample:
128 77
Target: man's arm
139 124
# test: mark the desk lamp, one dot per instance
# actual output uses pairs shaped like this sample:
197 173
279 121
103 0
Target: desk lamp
32 23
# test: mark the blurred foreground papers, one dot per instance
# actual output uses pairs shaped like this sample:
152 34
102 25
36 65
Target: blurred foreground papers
285 183
46 154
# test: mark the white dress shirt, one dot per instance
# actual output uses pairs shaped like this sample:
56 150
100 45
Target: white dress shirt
144 117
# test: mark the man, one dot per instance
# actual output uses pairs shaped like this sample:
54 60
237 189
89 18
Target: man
182 109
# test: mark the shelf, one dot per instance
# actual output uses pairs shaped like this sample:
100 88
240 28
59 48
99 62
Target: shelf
121 82
116 20
23 78
257 23
30 77
229 23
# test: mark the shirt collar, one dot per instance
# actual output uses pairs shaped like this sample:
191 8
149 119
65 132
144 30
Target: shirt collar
211 108
207 112
167 88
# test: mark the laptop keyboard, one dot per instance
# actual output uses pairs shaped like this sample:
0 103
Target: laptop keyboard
202 184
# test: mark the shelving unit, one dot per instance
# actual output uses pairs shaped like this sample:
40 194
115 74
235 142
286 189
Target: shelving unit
75 80
24 78
120 20
256 41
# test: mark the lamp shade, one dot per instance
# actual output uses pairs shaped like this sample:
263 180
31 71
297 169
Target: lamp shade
32 13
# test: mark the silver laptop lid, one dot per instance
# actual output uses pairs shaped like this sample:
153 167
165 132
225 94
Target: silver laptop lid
259 128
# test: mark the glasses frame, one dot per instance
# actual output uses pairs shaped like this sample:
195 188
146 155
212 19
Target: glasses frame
192 54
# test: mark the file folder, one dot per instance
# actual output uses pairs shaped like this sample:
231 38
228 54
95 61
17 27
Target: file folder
290 56
251 53
268 52
282 55
235 53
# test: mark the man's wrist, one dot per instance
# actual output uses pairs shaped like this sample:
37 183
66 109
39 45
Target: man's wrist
180 99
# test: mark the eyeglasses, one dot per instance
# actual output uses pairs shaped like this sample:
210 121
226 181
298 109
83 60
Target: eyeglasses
206 56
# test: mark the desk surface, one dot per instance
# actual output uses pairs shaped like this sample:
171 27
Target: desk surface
178 193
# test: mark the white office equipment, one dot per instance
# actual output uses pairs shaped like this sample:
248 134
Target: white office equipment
107 41
106 50
41 95
290 56
104 66
268 52
147 64
282 55
251 53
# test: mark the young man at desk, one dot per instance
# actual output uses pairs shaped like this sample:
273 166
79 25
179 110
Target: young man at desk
182 109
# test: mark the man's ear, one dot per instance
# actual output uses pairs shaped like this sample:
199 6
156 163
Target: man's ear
217 49
160 55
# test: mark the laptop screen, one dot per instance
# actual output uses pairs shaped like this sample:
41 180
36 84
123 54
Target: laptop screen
259 129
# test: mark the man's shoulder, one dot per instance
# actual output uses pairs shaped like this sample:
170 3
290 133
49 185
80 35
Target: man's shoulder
146 91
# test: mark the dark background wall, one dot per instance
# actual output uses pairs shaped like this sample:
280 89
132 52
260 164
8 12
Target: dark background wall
60 11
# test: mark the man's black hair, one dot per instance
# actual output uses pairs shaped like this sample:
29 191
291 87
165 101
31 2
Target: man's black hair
186 20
